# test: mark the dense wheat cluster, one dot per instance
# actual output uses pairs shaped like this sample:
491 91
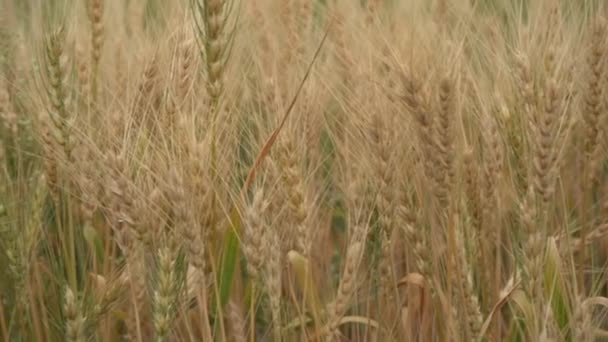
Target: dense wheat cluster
303 170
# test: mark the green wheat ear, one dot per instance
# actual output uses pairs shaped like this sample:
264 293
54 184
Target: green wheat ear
229 260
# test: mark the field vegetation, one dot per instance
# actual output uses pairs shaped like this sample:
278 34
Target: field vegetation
303 170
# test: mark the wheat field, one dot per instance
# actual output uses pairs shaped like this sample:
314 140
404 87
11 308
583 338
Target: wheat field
303 170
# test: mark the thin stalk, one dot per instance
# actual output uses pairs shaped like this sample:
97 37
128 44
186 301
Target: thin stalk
3 327
34 317
67 247
497 281
219 322
134 302
202 303
452 245
252 314
73 268
584 230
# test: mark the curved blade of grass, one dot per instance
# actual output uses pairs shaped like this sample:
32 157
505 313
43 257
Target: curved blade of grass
231 245
348 319
504 297
360 320
273 137
296 323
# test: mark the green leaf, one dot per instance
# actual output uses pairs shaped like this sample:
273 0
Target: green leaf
229 259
